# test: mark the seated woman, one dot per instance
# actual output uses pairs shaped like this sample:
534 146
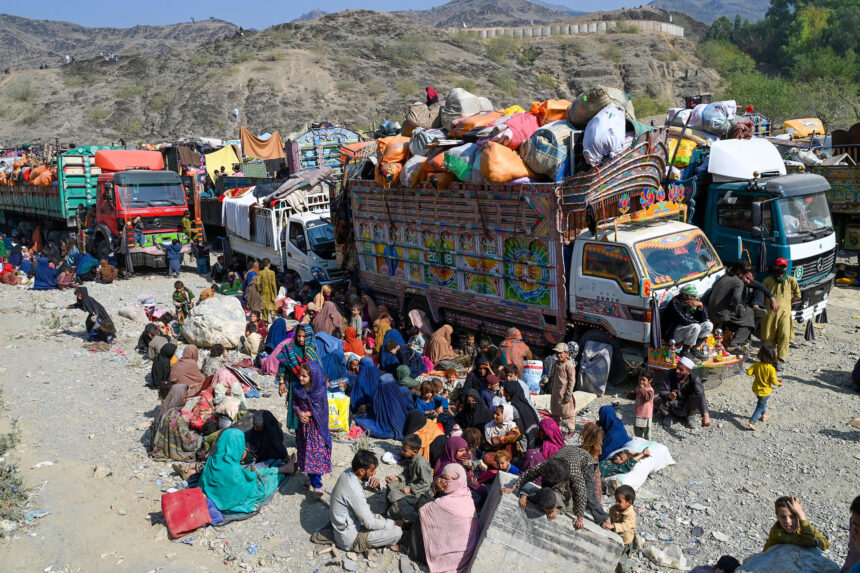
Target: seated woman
427 430
171 437
233 285
232 488
46 276
161 366
473 412
265 440
365 386
106 272
501 434
549 441
386 413
9 276
186 372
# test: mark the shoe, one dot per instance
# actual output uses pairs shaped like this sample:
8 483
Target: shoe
667 422
690 422
779 366
699 354
688 354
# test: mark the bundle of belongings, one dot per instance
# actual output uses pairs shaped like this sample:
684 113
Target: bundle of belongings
22 170
465 138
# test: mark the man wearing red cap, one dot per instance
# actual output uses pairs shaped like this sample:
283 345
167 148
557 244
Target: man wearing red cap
777 328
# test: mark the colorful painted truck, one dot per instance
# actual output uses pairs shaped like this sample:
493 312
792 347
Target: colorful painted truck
534 257
120 185
844 200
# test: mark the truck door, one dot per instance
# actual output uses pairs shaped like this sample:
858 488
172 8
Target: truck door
735 220
297 250
106 206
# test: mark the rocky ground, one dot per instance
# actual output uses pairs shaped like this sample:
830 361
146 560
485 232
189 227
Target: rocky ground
79 410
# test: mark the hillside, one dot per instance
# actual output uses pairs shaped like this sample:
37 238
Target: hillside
355 68
484 13
709 10
26 43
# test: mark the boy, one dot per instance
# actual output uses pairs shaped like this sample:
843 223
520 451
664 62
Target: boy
252 340
138 230
187 229
174 257
549 500
792 526
356 320
183 300
469 350
201 254
622 518
417 477
621 463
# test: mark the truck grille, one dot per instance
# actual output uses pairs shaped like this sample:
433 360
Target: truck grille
162 222
805 270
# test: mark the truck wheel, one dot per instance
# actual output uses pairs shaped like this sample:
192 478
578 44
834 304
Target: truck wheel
618 371
101 250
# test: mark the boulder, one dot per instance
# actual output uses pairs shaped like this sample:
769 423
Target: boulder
216 320
789 559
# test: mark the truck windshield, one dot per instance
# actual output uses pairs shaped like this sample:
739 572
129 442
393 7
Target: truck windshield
805 215
676 257
320 233
157 195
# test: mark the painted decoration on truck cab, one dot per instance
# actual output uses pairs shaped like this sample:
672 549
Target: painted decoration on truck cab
526 263
483 277
416 269
392 258
611 262
440 259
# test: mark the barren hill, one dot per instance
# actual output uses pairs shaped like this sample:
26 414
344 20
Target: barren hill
483 13
26 43
709 10
355 68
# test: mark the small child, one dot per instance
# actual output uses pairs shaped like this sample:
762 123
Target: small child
201 254
792 526
369 342
428 403
621 463
252 341
415 481
469 349
450 381
473 464
174 257
549 499
138 231
502 459
416 341
441 388
183 300
262 326
356 320
622 518
643 411
764 379
103 331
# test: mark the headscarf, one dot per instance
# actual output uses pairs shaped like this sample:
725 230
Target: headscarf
439 347
553 440
528 420
513 350
449 525
449 454
474 380
161 364
351 342
328 319
323 296
419 320
294 355
415 420
185 371
277 334
174 399
89 304
389 362
226 482
614 434
267 443
317 398
46 276
404 377
389 407
494 430
366 384
475 415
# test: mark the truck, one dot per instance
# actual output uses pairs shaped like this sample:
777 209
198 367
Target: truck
844 201
118 185
750 209
590 258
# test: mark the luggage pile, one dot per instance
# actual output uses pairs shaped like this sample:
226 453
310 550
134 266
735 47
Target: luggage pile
465 138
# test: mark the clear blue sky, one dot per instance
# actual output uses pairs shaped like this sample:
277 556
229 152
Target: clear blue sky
247 13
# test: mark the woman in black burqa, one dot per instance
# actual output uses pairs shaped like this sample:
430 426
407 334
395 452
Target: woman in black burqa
89 305
265 439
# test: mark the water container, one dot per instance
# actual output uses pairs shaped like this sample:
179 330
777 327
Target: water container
532 372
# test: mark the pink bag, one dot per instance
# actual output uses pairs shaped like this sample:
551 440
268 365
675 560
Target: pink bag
270 363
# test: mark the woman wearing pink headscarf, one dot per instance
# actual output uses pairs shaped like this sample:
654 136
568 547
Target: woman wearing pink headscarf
449 525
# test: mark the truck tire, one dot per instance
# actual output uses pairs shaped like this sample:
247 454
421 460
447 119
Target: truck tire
618 371
101 248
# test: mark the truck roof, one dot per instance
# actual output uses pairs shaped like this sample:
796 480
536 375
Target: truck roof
143 177
634 232
796 184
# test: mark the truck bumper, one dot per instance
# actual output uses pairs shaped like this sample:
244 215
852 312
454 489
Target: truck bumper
813 299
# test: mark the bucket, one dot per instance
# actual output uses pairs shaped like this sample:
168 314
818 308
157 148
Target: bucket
532 372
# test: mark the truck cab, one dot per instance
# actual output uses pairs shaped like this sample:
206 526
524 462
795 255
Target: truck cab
750 204
308 243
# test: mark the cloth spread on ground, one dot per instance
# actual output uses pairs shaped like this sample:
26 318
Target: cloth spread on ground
253 146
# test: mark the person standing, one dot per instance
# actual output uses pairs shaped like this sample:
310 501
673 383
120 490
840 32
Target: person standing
313 440
562 380
777 328
268 286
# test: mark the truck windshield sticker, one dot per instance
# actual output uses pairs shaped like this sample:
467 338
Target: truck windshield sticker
610 262
526 260
676 257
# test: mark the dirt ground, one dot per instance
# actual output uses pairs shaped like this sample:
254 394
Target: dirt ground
78 410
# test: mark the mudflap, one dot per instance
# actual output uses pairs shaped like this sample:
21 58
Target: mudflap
809 333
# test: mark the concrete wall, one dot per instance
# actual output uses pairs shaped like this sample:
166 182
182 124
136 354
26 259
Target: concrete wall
570 29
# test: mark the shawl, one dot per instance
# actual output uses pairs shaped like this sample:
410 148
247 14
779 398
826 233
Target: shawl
528 420
185 371
251 275
553 440
614 434
294 355
475 415
449 454
494 430
161 364
277 334
328 319
419 320
174 399
323 296
388 408
351 343
439 347
474 380
318 399
513 350
89 304
387 361
404 377
107 273
46 276
383 325
270 363
253 301
366 384
449 525
415 421
267 443
233 285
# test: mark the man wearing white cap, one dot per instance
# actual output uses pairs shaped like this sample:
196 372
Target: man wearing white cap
684 319
682 395
562 379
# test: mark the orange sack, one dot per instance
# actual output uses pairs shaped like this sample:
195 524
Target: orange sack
388 174
500 164
465 125
393 149
433 166
550 110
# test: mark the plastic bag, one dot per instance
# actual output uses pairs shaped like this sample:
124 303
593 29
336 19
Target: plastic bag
461 103
421 138
547 152
465 125
338 412
392 149
684 153
594 369
411 171
604 136
459 160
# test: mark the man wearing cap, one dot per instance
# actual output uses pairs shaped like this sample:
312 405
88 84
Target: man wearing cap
562 405
682 395
728 311
777 328
684 319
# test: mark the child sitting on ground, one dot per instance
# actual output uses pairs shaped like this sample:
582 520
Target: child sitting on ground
416 341
764 379
622 520
442 389
621 463
428 402
405 489
369 342
792 526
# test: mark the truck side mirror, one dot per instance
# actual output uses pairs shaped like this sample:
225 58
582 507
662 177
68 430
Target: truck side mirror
756 230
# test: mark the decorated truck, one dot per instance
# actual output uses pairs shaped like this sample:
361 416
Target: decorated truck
118 185
589 258
844 200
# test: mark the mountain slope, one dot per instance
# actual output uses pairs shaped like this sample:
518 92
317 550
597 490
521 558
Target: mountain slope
484 13
31 43
709 10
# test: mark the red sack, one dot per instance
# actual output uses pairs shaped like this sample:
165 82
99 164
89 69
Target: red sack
184 510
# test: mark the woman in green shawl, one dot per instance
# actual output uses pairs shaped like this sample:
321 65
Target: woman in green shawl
232 488
404 377
232 286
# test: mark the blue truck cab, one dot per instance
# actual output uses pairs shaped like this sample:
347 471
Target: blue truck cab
751 210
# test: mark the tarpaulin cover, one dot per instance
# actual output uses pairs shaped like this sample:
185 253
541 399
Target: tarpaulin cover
189 157
224 157
253 146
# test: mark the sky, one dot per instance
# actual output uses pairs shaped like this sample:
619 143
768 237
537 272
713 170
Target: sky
257 14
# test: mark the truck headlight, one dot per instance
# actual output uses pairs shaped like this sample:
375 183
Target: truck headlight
319 274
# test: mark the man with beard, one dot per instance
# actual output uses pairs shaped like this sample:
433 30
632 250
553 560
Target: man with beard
684 319
729 311
682 395
777 328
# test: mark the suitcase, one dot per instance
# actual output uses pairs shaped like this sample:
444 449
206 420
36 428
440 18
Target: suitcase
185 510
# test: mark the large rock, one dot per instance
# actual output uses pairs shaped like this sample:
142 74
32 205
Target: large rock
513 540
789 559
216 320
